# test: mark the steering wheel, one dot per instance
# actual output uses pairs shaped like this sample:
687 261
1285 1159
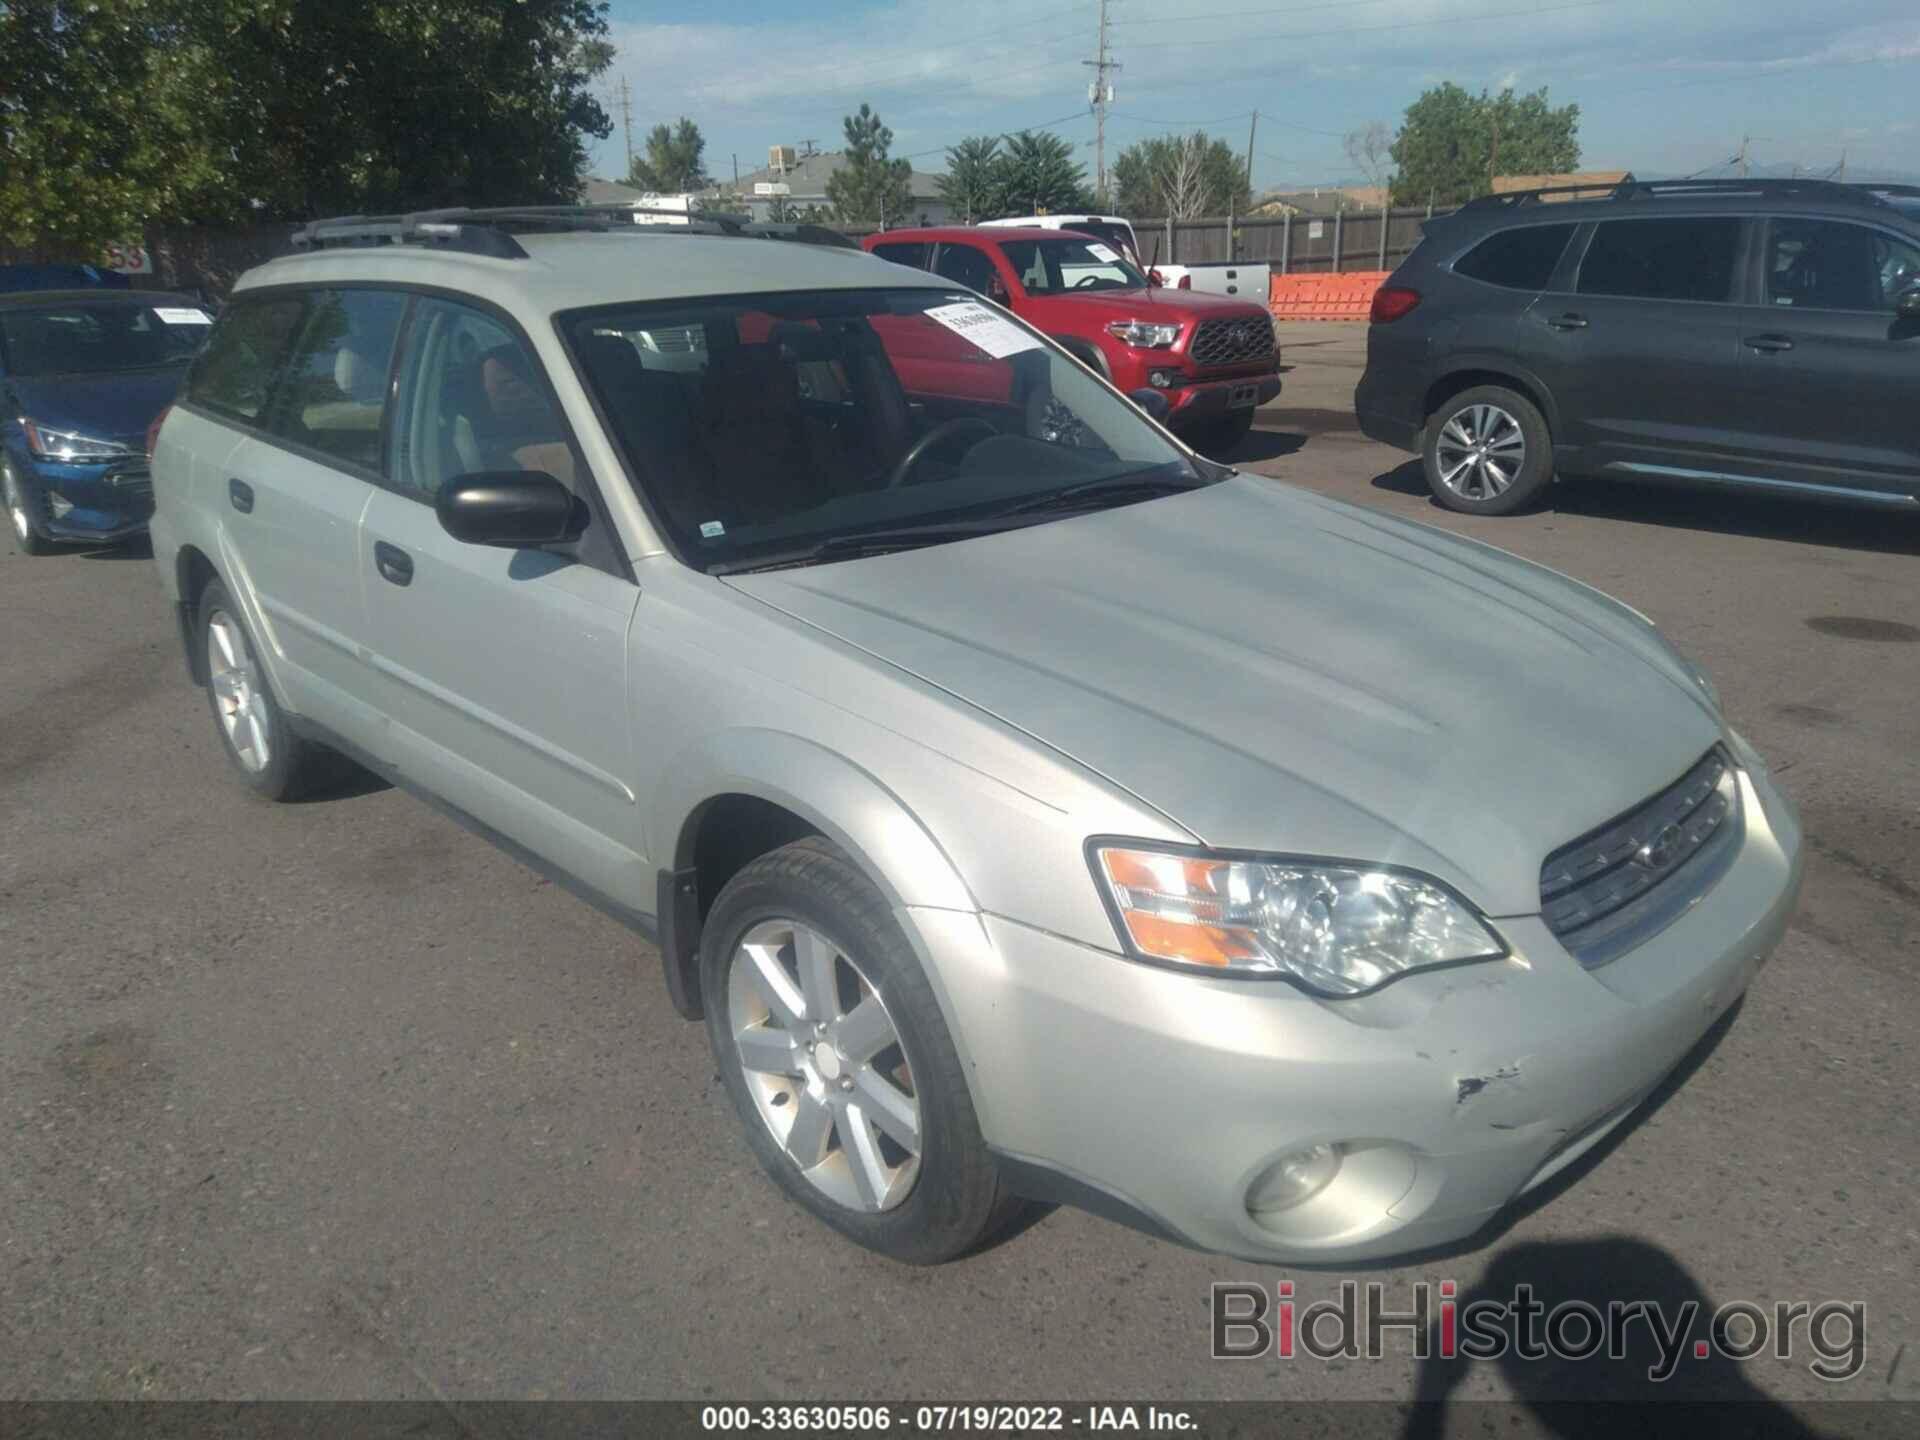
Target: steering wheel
939 435
1085 280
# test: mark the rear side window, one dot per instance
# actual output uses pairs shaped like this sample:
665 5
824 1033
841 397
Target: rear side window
1679 259
335 390
235 373
1521 259
906 254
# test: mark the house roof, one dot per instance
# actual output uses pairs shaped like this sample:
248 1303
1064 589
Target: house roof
1506 184
808 177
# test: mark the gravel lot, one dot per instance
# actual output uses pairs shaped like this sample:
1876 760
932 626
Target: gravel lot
334 1100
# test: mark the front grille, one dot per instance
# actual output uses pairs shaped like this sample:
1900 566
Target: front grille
1610 890
1233 341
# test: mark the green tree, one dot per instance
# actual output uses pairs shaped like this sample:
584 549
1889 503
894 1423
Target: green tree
971 185
1185 175
103 125
1037 174
674 161
869 188
1452 143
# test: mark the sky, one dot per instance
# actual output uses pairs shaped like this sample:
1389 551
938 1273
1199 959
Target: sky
1664 86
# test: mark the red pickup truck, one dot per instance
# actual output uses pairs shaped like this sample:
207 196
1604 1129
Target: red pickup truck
1214 358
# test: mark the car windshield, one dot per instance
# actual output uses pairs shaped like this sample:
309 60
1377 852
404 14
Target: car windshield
1072 262
99 337
781 428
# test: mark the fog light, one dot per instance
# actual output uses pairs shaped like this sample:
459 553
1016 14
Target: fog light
59 505
1292 1179
1160 379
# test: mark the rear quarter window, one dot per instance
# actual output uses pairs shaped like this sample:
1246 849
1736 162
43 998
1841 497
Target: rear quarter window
1520 259
245 355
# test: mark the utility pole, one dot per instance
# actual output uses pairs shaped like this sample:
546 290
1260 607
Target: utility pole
1745 140
626 119
1099 94
1493 160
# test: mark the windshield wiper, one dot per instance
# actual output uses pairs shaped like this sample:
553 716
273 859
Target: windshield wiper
1108 487
865 542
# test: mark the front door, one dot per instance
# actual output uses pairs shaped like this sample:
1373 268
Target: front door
1827 360
504 669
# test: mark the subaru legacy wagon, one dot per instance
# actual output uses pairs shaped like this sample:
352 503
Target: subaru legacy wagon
1032 809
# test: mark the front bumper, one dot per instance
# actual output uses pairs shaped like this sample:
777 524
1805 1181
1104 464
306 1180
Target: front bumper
1199 401
1161 1097
110 502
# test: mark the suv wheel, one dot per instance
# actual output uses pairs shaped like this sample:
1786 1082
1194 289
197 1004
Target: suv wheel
272 760
20 507
838 1061
1488 452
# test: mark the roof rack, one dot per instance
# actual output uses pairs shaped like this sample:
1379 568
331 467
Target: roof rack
491 231
1832 190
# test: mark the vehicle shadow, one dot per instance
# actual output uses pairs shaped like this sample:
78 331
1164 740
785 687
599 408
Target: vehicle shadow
138 548
1264 445
1716 1390
1760 517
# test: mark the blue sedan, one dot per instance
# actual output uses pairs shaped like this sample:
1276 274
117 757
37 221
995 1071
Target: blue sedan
83 374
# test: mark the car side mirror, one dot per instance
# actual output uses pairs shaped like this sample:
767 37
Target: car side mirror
997 290
507 507
1154 402
1907 303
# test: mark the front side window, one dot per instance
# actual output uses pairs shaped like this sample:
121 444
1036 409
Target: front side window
472 398
334 393
245 353
1521 259
1073 262
1831 265
94 337
819 418
1678 259
966 265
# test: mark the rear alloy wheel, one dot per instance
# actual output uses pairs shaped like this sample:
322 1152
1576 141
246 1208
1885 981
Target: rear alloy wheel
274 762
1488 452
838 1060
20 510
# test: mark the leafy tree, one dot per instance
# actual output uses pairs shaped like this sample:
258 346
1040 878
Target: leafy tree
674 160
1452 144
115 113
869 188
1037 174
1185 175
971 185
102 122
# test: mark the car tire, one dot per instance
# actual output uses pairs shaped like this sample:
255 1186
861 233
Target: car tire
1487 451
1218 439
272 760
833 1092
20 505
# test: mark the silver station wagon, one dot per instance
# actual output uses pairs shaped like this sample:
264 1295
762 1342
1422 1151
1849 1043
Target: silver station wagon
1032 809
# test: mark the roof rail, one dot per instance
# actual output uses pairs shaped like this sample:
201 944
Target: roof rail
1772 188
490 231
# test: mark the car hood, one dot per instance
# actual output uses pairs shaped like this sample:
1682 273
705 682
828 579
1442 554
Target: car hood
1160 302
107 407
1278 672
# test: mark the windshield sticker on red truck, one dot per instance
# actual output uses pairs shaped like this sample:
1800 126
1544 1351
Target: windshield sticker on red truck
979 326
1101 252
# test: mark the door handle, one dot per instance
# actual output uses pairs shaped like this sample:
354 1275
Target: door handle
1769 343
393 563
1567 322
241 494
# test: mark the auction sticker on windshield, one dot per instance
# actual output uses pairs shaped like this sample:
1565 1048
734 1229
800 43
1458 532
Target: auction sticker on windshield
181 315
1101 252
981 327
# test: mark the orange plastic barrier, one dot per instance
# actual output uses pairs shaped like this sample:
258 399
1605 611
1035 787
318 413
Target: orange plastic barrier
1347 296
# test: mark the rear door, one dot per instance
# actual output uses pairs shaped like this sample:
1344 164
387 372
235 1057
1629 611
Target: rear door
293 492
504 670
1827 361
1639 346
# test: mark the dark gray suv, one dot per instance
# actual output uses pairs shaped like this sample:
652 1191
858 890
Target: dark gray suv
1754 334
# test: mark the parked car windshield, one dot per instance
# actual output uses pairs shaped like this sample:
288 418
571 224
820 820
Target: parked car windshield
765 428
98 337
1073 262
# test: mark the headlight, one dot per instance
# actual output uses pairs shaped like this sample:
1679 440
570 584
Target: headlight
1338 929
66 445
1145 334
